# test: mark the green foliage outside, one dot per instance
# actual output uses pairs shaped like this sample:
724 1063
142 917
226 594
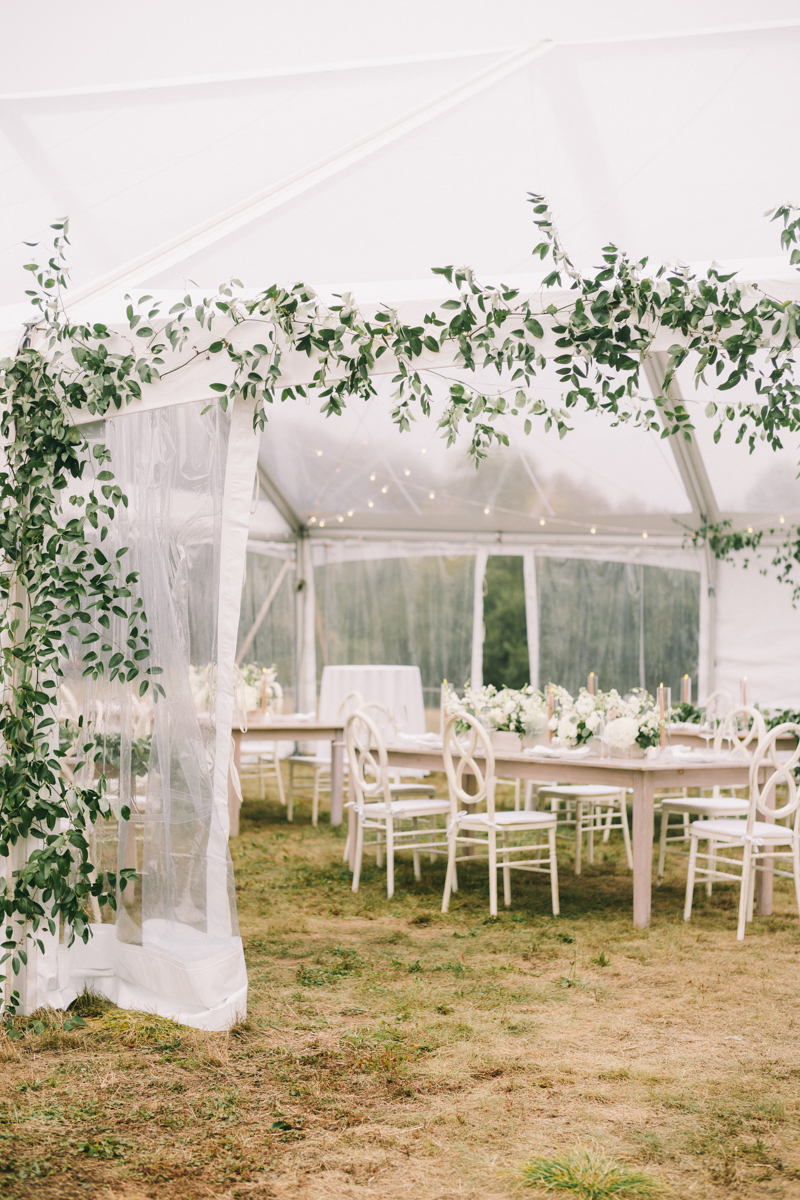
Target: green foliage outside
505 645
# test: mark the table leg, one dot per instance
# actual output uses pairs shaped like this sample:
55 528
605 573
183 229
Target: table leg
764 876
337 782
470 785
643 825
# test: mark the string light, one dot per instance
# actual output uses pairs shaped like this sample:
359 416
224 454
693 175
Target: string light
322 524
593 530
406 472
783 519
749 528
423 450
338 469
313 519
319 454
431 495
384 490
486 510
340 519
372 478
370 504
644 533
350 513
541 520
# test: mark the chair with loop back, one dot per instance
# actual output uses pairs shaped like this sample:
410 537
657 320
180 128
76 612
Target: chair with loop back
473 754
319 763
742 729
387 808
759 840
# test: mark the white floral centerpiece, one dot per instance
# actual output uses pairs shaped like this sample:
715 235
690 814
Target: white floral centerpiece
518 713
575 721
632 720
254 687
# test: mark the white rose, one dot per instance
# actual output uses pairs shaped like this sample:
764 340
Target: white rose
592 721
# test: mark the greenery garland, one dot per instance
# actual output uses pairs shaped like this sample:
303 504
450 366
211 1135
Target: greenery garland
58 581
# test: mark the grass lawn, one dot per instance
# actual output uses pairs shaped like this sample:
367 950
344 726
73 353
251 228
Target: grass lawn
389 1051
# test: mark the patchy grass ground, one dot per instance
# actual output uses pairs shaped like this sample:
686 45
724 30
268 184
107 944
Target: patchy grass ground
393 1052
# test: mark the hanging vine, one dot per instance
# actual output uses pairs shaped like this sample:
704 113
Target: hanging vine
58 581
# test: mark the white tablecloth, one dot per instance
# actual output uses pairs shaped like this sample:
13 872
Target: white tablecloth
399 689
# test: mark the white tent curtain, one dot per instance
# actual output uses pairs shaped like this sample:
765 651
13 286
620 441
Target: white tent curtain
174 947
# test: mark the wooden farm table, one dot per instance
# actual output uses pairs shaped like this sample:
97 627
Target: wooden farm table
267 729
687 735
642 776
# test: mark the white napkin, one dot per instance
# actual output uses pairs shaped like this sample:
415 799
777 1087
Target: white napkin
694 755
558 751
424 739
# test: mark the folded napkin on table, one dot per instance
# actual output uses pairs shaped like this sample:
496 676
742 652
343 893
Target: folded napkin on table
425 739
558 751
694 755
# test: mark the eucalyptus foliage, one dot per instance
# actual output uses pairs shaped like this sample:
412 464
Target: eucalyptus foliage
59 581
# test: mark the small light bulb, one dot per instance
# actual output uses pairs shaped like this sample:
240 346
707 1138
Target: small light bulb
406 472
749 528
370 504
322 524
644 534
783 520
340 518
338 469
486 510
313 519
350 512
431 495
423 451
372 478
541 520
384 490
319 454
593 530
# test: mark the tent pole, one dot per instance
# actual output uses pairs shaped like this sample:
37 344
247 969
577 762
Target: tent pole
306 633
531 614
476 671
262 612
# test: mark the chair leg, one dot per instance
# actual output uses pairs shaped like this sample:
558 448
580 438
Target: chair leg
417 871
607 824
687 908
315 797
359 852
712 863
551 838
578 835
744 893
506 872
592 813
751 895
451 870
517 783
492 873
662 845
626 832
379 848
796 872
290 794
278 776
529 795
389 857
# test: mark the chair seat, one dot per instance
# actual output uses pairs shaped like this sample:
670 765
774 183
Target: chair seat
734 830
409 806
717 806
509 820
581 791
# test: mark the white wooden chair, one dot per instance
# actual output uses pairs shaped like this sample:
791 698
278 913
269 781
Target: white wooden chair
590 809
480 829
319 763
388 808
260 759
758 839
742 729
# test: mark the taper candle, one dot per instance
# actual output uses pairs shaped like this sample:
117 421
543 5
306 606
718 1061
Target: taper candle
686 692
592 683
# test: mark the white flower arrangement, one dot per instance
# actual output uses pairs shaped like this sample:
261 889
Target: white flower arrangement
576 721
515 711
252 685
621 733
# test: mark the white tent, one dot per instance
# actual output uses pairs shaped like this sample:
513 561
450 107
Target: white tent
355 151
